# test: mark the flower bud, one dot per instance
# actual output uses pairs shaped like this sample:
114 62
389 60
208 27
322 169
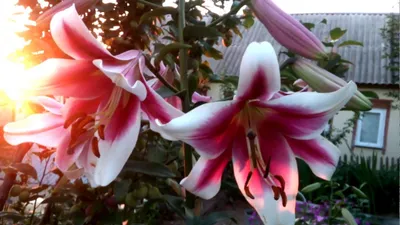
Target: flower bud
81 6
288 31
323 81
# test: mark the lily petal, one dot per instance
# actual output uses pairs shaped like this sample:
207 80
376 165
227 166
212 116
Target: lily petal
74 106
205 178
72 36
126 76
196 97
66 77
320 154
121 135
156 107
49 104
66 157
304 115
259 73
44 129
283 163
263 201
208 128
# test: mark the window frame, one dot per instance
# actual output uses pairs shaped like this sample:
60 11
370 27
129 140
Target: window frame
378 105
381 130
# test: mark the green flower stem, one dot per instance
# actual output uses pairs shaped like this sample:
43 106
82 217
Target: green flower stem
233 11
185 100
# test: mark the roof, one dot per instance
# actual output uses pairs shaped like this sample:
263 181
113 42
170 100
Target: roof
369 66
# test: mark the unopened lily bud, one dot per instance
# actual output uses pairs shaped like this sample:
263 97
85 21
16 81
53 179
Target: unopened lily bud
288 31
81 6
323 81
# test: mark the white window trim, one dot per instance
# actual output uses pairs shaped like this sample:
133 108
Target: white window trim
381 130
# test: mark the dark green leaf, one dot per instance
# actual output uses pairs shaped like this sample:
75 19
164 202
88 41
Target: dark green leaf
200 32
193 82
176 204
121 188
157 12
327 44
217 217
105 7
25 169
38 189
309 26
237 32
370 94
324 21
167 49
337 33
345 61
213 53
148 168
12 215
350 42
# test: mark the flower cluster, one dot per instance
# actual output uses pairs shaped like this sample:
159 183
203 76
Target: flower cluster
262 130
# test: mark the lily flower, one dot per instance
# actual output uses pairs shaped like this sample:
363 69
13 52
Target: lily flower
106 93
289 32
324 81
262 131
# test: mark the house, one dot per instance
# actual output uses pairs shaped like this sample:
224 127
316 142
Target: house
379 129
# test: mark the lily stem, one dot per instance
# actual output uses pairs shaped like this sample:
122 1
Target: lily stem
233 11
161 78
185 100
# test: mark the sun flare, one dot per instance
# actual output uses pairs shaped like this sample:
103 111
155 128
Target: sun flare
12 20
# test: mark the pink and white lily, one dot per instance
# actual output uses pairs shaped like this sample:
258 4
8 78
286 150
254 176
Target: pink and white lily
262 131
106 93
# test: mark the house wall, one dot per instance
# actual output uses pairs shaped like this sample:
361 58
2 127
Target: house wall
392 149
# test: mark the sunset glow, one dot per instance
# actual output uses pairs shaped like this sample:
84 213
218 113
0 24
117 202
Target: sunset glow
12 19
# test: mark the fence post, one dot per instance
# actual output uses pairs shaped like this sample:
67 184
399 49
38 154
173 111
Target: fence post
387 163
369 161
381 166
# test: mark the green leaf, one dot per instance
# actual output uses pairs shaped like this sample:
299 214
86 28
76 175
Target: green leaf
323 21
340 194
311 187
11 215
121 188
176 204
213 53
248 22
200 32
237 32
218 217
350 42
309 26
148 168
345 61
370 94
362 185
157 12
348 217
359 193
38 189
25 169
327 44
167 49
336 33
56 199
193 82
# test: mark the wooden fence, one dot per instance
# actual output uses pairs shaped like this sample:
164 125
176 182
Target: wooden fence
383 162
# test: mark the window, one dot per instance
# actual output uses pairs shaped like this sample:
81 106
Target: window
371 129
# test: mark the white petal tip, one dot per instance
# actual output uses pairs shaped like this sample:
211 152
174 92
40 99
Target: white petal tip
139 90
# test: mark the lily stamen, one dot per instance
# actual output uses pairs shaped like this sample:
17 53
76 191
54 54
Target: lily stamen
74 118
246 186
95 147
276 191
281 181
100 131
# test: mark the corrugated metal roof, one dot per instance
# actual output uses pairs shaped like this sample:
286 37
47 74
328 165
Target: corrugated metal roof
369 66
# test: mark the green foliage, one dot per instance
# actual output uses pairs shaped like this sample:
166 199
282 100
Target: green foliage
337 33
